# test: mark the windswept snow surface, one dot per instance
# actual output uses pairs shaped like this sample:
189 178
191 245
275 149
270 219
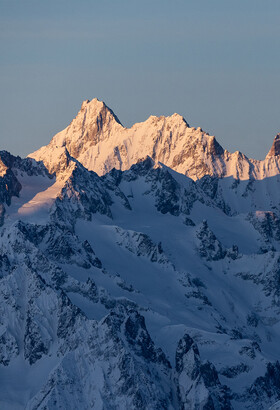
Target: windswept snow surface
34 201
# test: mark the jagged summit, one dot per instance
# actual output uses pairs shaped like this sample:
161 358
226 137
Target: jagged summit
98 140
275 149
97 106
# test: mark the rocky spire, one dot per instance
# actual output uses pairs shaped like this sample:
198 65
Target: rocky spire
275 149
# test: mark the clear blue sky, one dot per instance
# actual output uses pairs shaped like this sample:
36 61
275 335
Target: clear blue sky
216 62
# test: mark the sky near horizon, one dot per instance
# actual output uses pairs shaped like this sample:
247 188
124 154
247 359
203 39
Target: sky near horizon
214 62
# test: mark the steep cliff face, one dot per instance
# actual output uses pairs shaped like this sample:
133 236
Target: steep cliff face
275 149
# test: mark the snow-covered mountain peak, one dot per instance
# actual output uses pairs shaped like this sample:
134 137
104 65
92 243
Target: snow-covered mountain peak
97 139
94 122
85 103
178 116
97 107
170 119
275 149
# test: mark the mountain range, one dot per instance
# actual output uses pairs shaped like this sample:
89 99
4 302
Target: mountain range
139 269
